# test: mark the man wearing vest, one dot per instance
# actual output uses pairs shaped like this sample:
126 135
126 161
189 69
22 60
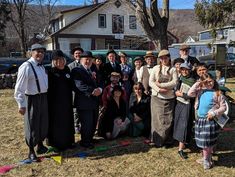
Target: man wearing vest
150 60
31 96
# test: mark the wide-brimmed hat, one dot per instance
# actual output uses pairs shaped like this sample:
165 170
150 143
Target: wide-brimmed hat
185 47
149 54
56 54
37 46
76 48
163 52
138 58
86 54
111 51
122 54
185 65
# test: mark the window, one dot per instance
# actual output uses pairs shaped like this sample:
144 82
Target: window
102 20
132 22
118 24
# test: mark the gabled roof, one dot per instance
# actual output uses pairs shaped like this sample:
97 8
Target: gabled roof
81 17
79 8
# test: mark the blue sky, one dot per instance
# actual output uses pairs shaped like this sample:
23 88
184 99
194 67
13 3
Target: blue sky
174 4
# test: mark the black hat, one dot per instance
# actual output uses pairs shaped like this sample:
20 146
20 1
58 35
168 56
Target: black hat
111 51
178 60
57 54
37 46
76 48
137 58
86 54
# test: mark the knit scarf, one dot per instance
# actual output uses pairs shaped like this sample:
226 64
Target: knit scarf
187 80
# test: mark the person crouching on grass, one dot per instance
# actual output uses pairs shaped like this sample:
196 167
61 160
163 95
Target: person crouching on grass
183 110
210 103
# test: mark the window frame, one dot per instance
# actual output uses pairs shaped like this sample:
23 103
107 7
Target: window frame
99 21
131 24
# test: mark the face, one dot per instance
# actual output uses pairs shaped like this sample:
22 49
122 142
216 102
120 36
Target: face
165 60
77 54
209 83
117 93
123 60
137 90
114 79
86 61
138 63
149 60
38 54
184 53
184 71
59 63
98 61
177 66
201 70
111 57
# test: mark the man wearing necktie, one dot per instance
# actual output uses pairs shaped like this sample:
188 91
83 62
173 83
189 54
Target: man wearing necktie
31 96
111 66
150 60
86 99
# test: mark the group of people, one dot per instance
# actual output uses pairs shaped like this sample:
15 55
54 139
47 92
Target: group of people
152 99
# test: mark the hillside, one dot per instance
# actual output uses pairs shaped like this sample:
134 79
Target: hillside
182 24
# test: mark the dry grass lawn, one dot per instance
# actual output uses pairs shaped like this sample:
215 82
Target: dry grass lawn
137 159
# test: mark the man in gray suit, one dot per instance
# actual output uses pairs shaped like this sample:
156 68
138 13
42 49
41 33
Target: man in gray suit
76 52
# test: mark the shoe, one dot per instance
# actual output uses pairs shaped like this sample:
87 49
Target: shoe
41 149
87 145
32 156
206 164
182 154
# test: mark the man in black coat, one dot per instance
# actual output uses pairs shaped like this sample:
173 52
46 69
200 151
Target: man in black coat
86 98
193 61
111 66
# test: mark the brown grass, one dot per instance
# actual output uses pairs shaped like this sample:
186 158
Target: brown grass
137 159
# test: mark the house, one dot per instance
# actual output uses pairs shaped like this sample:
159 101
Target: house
206 44
111 24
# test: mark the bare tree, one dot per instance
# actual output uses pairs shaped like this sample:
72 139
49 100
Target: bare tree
154 24
18 18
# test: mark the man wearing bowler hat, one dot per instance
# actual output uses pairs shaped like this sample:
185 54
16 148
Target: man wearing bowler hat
86 98
76 52
31 96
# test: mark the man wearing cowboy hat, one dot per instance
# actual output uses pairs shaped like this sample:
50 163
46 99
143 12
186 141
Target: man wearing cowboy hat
86 98
150 60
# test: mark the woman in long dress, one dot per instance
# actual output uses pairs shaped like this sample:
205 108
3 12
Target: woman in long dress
61 123
163 80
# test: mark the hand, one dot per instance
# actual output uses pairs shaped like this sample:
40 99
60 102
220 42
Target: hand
119 121
162 90
94 75
137 119
22 110
209 116
157 83
178 93
96 92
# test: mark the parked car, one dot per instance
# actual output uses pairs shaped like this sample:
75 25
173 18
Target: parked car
10 65
131 54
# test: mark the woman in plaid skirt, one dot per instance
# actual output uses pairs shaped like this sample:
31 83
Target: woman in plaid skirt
209 104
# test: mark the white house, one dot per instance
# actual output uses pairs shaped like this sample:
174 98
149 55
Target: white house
111 24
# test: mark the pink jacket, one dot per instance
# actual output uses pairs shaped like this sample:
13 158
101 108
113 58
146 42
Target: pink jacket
219 102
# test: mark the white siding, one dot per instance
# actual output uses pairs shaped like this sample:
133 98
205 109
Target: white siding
89 25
